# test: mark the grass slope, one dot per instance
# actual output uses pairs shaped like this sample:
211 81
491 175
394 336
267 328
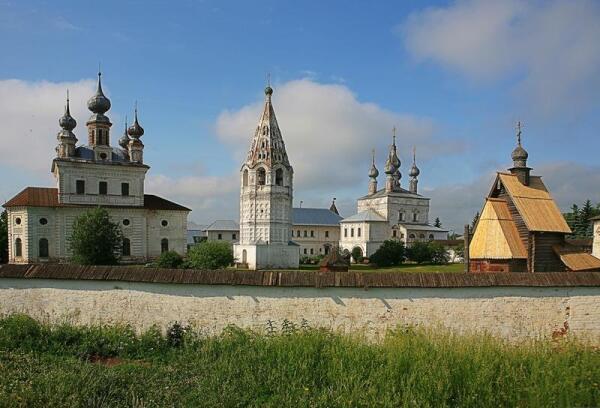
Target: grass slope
288 367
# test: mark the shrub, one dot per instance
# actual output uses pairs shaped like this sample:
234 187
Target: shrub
439 255
210 255
95 240
390 253
176 334
169 259
428 252
357 255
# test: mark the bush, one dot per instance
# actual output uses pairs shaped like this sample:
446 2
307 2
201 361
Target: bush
357 255
390 253
95 240
210 255
439 255
428 252
169 259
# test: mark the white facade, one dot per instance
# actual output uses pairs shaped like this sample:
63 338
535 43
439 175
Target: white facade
266 193
40 220
596 244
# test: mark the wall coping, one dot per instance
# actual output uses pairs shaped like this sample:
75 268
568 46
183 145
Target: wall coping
298 278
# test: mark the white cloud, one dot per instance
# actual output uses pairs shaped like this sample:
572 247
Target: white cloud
29 113
549 48
329 134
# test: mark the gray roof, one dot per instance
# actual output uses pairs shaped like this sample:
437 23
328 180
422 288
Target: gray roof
368 215
400 193
422 227
87 153
314 216
223 225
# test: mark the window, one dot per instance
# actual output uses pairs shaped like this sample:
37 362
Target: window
103 156
126 222
394 233
245 178
312 234
43 248
18 220
304 251
431 237
305 233
402 235
279 177
412 236
234 236
220 236
400 216
358 233
43 221
164 245
261 177
124 189
126 248
102 188
18 247
415 217
298 233
312 251
80 186
345 232
326 234
351 232
164 223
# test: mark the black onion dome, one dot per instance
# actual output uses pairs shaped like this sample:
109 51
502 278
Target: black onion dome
268 91
414 171
124 140
389 167
67 122
135 130
99 103
373 173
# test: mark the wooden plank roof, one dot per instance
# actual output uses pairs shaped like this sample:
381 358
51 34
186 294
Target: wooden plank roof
535 204
496 235
48 197
366 279
577 260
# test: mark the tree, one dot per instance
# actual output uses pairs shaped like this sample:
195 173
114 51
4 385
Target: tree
437 223
420 252
390 253
169 259
439 255
585 226
474 222
95 240
3 237
357 255
210 255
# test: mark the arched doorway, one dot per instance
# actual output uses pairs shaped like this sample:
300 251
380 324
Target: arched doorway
244 256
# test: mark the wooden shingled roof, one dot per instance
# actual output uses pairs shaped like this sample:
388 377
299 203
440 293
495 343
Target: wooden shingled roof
576 260
496 236
535 204
48 197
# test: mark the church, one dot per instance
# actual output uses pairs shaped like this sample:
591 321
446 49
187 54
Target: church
90 175
391 212
266 195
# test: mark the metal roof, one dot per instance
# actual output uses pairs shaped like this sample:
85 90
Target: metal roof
314 216
400 193
368 215
223 225
422 227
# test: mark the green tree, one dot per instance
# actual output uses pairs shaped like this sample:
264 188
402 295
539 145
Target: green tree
390 253
3 237
169 259
420 252
474 222
585 225
210 255
357 254
437 223
439 255
95 240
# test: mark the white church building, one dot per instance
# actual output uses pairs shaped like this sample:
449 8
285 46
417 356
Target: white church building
90 175
266 193
389 213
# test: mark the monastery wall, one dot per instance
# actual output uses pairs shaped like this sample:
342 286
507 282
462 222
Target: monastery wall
514 313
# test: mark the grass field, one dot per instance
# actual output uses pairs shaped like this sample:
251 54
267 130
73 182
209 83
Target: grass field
289 366
457 267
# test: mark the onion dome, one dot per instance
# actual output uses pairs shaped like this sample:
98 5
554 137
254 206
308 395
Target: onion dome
389 167
124 140
135 130
66 121
414 170
99 103
519 155
393 155
268 91
373 173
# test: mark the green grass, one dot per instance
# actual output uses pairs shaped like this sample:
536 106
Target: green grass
409 267
287 367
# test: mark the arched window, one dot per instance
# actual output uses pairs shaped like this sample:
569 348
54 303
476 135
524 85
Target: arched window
261 176
18 247
279 177
164 245
126 248
245 178
431 237
412 236
43 248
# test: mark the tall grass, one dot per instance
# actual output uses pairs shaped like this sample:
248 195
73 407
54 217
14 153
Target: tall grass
291 366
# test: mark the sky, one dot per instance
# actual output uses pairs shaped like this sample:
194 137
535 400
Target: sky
452 76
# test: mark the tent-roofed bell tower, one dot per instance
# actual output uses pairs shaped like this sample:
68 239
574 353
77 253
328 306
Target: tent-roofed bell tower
266 195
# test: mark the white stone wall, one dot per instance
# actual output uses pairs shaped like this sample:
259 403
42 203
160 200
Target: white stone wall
596 244
227 236
515 313
321 235
272 256
389 207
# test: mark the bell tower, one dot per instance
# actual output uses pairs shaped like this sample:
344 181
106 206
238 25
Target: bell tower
99 125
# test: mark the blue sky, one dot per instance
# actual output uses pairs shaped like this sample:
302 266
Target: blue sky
453 76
